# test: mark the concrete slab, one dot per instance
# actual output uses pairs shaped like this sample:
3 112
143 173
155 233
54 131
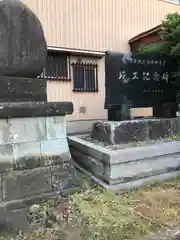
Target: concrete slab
123 155
124 187
123 168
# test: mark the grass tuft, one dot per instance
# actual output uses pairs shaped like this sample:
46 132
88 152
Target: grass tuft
104 215
99 214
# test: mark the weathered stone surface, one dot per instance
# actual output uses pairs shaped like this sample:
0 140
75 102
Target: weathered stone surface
14 214
119 156
127 171
6 157
91 164
79 127
1 193
23 46
55 151
21 184
27 201
58 108
112 133
123 187
144 168
4 131
35 109
60 176
16 89
102 131
56 127
160 128
176 125
27 129
76 178
126 168
16 220
120 132
26 155
4 227
131 131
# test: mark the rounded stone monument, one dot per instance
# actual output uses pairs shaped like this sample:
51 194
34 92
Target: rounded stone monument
23 47
32 167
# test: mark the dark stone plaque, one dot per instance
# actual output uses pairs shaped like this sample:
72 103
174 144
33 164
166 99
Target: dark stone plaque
23 47
135 81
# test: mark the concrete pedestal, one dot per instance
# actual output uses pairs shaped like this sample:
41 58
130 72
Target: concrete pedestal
35 161
127 168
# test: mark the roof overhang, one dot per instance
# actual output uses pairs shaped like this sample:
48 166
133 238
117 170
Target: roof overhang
81 52
144 34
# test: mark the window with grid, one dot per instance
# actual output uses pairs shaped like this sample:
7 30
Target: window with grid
85 77
57 67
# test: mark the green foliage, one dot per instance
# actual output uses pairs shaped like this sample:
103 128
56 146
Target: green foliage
153 49
170 38
169 45
176 137
170 34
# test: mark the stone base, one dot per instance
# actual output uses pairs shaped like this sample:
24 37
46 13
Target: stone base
125 167
113 133
35 160
26 143
20 192
125 187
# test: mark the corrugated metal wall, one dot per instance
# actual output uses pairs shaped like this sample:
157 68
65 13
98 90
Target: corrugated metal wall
98 24
94 25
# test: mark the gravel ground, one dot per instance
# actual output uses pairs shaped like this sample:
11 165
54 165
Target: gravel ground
126 145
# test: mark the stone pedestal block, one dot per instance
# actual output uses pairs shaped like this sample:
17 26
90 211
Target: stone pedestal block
34 153
29 142
21 184
112 133
119 168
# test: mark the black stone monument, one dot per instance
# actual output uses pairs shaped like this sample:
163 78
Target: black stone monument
138 81
23 47
135 81
23 53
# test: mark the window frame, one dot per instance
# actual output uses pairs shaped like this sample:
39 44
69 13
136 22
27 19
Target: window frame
57 54
90 82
